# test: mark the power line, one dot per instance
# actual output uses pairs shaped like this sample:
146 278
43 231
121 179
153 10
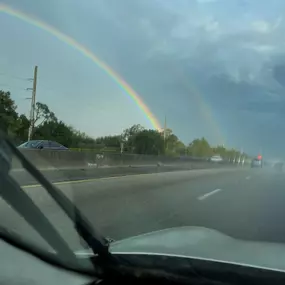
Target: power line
12 86
14 77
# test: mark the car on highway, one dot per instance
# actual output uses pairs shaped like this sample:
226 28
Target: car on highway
181 255
42 144
256 163
216 158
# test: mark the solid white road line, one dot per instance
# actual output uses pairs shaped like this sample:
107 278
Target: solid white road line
203 197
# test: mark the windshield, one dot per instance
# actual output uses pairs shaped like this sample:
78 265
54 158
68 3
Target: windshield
36 201
41 218
171 114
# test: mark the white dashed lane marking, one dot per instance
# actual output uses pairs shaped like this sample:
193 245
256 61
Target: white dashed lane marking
207 195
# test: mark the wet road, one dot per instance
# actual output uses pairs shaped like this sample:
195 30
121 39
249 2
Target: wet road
247 204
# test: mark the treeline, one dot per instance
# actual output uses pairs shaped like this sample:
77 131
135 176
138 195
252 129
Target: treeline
135 139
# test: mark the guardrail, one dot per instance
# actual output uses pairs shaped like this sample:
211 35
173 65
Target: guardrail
61 159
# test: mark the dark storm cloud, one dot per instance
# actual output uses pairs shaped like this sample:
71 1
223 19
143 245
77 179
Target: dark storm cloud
169 52
279 74
270 107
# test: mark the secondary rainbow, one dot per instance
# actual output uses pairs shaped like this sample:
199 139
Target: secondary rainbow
86 52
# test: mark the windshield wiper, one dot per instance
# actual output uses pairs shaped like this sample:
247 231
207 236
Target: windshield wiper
25 207
98 244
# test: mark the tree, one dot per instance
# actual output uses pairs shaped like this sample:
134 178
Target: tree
133 130
22 128
43 114
54 130
148 142
109 141
80 139
136 139
180 148
128 136
200 148
172 143
8 114
233 154
220 150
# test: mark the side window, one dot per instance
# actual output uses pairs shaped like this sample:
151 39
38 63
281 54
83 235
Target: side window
55 145
44 144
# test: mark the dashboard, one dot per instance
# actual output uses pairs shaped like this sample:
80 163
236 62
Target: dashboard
19 267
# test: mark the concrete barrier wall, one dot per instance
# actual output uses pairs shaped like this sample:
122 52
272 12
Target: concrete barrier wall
68 165
73 159
57 159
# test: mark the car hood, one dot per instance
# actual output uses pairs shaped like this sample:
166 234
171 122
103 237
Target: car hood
203 243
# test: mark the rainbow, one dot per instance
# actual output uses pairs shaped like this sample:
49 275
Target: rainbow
87 53
206 110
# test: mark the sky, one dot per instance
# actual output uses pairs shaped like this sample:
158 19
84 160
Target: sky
213 68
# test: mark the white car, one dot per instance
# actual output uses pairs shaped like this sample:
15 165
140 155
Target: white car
216 158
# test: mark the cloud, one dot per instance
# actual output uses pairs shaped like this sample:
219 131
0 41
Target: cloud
269 107
265 27
179 53
203 43
260 48
279 73
262 27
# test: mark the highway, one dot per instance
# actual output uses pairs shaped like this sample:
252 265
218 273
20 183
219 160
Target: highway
243 203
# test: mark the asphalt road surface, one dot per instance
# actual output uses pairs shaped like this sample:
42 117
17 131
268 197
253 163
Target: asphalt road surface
243 203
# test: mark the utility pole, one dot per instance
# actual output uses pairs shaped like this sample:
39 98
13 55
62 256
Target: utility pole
33 104
164 134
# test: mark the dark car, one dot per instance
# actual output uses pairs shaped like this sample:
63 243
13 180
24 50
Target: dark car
43 144
256 163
